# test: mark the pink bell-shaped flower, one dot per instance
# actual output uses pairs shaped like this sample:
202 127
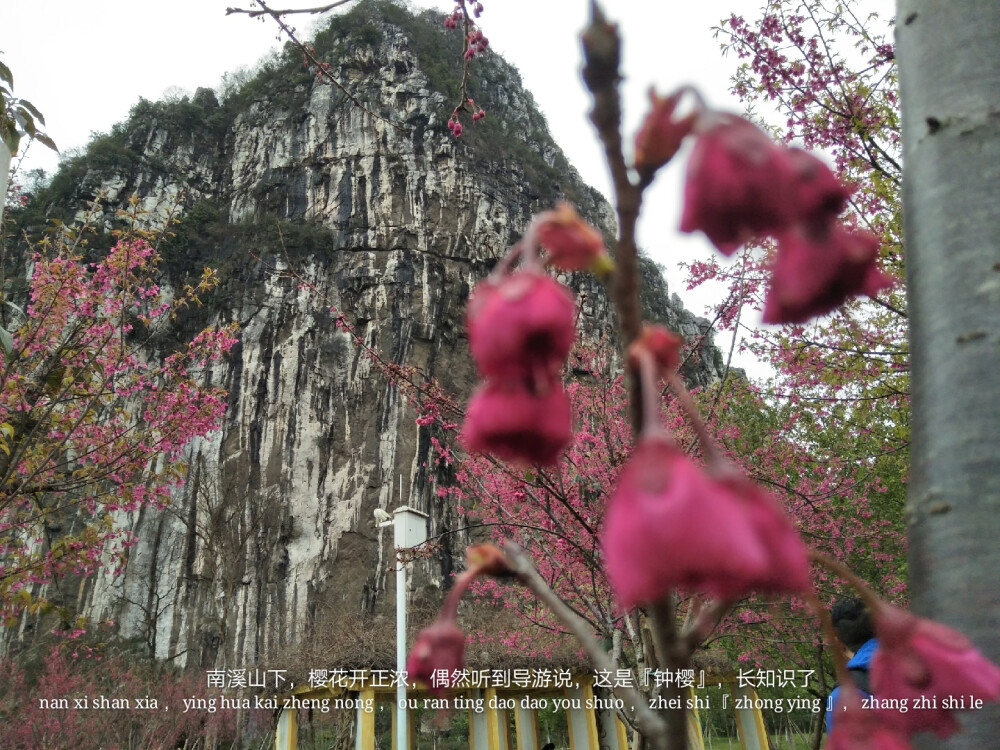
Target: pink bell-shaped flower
739 185
515 422
437 653
668 526
857 728
818 268
919 658
671 525
819 194
787 568
521 325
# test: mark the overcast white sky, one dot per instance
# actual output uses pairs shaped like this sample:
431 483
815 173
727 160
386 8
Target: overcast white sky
85 64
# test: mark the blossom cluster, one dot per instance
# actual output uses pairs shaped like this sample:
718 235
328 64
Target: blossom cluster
741 185
440 648
88 417
724 535
522 325
455 125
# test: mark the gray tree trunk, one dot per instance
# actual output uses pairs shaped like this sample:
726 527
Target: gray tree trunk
949 65
4 174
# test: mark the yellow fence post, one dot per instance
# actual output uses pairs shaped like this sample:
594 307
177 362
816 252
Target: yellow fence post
480 737
582 721
366 721
526 727
286 737
611 732
750 721
695 739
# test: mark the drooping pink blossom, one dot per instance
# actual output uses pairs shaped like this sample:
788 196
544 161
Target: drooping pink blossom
858 728
515 422
521 325
819 195
669 526
739 185
438 652
920 658
787 568
818 268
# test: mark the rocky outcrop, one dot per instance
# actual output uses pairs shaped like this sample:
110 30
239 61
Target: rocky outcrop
308 204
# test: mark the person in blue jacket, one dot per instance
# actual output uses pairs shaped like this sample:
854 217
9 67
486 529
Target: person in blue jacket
853 623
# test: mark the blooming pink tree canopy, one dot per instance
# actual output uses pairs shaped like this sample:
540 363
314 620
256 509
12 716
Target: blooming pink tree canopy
741 187
93 419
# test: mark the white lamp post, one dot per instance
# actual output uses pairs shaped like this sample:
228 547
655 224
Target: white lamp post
409 530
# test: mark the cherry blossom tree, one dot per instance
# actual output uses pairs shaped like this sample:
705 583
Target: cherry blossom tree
672 523
827 73
94 414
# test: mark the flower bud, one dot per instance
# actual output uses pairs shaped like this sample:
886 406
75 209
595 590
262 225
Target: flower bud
572 244
664 345
661 134
487 560
520 326
437 653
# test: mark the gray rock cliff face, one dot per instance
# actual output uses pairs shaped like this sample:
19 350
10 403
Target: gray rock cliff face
272 535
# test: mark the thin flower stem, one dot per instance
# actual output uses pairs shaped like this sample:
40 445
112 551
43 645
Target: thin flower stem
836 647
701 624
652 726
652 424
673 654
449 610
602 55
506 263
872 600
711 452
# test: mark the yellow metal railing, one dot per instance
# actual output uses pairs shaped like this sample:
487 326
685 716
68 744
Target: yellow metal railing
591 725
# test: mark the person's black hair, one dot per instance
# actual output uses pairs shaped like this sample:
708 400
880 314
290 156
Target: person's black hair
853 622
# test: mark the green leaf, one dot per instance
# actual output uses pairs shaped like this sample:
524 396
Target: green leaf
31 108
54 381
46 141
20 310
6 75
28 123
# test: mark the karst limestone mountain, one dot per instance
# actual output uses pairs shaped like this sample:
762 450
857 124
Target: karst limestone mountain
304 202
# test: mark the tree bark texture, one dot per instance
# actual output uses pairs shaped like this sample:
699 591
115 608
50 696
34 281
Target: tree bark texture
949 65
4 175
